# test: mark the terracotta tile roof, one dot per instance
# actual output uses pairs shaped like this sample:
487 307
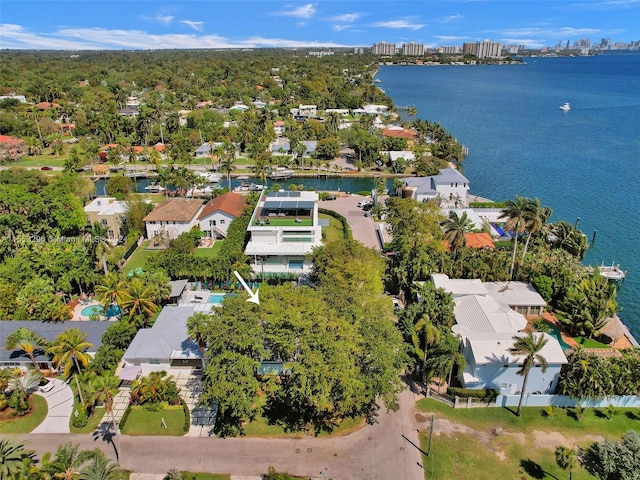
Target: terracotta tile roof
405 133
229 202
9 140
479 240
175 210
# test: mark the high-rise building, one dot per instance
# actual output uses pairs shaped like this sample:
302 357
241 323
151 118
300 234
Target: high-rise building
452 50
383 48
413 49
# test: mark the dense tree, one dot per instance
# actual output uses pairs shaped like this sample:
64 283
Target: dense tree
567 458
614 460
15 459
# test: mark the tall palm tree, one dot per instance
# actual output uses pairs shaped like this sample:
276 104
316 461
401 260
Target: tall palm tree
111 291
228 161
515 212
455 228
531 347
536 216
261 171
29 347
196 328
138 299
101 244
425 334
69 351
105 387
15 459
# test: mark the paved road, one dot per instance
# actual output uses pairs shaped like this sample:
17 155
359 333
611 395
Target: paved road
60 403
363 228
378 451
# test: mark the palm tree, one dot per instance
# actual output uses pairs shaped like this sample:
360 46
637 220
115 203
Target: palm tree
529 346
15 459
425 334
515 211
105 387
455 228
228 160
65 464
261 171
138 299
567 458
536 216
111 291
29 348
28 341
69 350
196 328
101 244
98 467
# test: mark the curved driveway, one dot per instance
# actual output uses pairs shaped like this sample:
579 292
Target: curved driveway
383 451
60 403
363 228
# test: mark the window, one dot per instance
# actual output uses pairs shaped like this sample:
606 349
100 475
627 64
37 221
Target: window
296 264
104 222
222 222
212 223
154 361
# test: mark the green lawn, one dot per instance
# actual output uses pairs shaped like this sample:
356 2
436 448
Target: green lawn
139 257
334 231
143 422
27 423
211 252
486 454
590 343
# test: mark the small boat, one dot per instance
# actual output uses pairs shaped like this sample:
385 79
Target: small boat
154 188
249 187
243 177
566 107
199 192
377 80
612 272
209 177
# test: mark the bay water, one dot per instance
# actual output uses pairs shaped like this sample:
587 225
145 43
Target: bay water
583 163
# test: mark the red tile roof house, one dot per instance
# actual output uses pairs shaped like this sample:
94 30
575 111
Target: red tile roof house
11 148
172 218
219 212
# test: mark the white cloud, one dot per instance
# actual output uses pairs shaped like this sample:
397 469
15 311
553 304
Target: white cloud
450 18
197 26
398 24
305 11
166 19
606 5
346 18
449 38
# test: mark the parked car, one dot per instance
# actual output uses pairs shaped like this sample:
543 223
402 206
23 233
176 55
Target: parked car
362 203
367 207
46 168
47 386
329 197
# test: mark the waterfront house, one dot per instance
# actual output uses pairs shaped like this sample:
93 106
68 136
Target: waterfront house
218 213
207 149
449 186
284 228
279 127
11 148
173 217
49 331
486 323
109 213
166 344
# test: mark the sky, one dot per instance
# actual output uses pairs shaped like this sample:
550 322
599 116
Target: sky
149 24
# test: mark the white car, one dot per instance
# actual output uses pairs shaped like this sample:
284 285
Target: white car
365 203
47 387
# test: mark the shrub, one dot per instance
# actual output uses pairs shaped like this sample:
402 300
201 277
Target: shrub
484 393
125 415
80 418
549 411
187 417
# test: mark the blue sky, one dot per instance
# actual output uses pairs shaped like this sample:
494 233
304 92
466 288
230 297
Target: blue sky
148 24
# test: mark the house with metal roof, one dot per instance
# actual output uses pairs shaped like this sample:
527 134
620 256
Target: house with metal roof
449 186
284 228
488 317
218 213
49 331
166 344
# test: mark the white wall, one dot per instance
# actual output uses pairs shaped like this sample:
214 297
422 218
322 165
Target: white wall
627 401
509 382
171 230
217 216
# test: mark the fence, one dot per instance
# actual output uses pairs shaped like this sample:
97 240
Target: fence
627 401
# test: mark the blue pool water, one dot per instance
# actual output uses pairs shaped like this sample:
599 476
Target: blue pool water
93 309
216 298
555 333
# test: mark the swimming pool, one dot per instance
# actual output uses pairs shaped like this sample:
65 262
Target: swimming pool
91 310
216 298
555 333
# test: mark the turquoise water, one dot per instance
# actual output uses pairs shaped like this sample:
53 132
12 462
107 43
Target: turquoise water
584 163
93 309
555 333
216 298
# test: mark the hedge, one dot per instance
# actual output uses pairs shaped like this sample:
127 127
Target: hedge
123 420
343 221
484 393
486 204
187 417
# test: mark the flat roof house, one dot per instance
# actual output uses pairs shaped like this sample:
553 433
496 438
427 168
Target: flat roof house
173 217
284 228
218 213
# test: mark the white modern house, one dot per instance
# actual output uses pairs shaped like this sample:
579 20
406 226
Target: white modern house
218 213
173 217
486 324
166 344
449 186
284 228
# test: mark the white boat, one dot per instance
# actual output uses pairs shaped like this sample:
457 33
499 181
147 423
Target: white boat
243 177
566 107
249 187
612 272
199 192
154 188
209 177
281 173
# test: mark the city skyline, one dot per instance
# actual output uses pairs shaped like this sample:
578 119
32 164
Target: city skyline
116 24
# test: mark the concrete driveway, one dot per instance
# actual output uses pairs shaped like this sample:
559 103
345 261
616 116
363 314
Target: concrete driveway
60 403
363 228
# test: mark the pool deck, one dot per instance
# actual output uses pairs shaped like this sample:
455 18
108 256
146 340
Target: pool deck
621 343
77 311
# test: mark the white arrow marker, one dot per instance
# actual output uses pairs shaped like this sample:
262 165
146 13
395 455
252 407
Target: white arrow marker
253 297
